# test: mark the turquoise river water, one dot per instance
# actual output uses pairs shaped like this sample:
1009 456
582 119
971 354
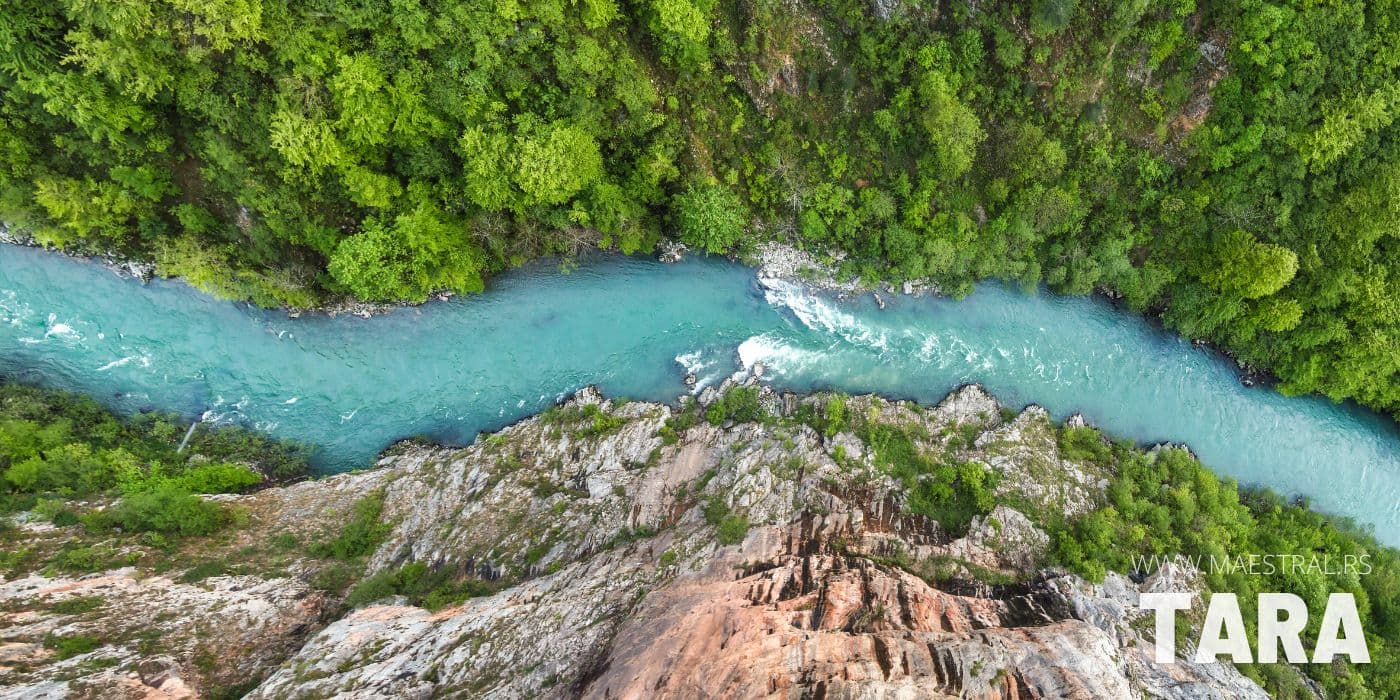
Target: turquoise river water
447 370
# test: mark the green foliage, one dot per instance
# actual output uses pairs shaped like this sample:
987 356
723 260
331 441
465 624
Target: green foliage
556 163
420 252
168 510
1051 16
335 578
834 415
936 485
711 218
63 445
740 404
1248 268
76 606
1083 444
218 477
715 510
77 558
56 447
68 646
588 421
676 425
362 533
203 570
383 584
683 28
430 588
732 529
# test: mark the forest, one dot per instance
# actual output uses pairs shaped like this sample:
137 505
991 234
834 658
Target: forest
1228 166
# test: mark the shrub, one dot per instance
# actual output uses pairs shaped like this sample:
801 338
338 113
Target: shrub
740 404
219 477
362 533
203 570
732 529
64 518
75 558
431 589
834 416
380 585
715 510
1084 444
65 445
169 510
334 578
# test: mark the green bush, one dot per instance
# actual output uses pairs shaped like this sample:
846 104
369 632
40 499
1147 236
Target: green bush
219 477
64 518
732 529
362 532
715 510
429 588
168 510
383 584
936 485
588 421
203 570
834 415
77 558
1083 444
740 404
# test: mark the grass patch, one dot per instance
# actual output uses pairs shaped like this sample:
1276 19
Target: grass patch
68 646
76 606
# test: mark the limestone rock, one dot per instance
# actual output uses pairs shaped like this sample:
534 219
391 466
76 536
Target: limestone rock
634 560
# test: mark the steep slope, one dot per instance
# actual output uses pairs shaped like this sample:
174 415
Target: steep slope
620 552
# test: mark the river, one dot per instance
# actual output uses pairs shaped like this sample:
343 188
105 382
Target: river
446 370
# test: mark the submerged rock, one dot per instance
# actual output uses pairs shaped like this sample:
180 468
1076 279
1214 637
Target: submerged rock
671 251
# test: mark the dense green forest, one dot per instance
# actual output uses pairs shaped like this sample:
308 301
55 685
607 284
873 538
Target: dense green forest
1229 165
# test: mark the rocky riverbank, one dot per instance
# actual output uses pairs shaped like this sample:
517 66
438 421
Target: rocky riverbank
123 267
633 550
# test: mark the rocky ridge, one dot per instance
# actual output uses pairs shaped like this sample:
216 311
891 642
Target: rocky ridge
637 556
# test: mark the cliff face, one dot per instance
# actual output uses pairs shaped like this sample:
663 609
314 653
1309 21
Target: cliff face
633 560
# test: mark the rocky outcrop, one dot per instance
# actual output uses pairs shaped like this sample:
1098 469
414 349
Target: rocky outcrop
151 627
14 237
636 552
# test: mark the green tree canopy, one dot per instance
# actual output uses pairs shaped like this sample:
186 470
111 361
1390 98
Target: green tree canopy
711 218
1249 268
